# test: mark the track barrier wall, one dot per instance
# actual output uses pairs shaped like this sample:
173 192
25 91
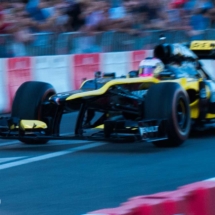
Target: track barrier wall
64 72
4 99
54 70
84 66
118 62
193 199
18 70
137 56
67 72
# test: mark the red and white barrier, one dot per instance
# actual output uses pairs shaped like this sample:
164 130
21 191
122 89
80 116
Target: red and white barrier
137 56
54 70
18 71
4 100
84 66
193 199
117 62
67 72
64 72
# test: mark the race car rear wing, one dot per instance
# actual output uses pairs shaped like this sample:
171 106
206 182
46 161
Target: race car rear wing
204 49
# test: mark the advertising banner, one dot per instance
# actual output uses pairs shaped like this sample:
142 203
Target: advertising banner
19 70
116 62
84 67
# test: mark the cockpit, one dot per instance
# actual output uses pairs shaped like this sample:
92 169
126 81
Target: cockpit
179 62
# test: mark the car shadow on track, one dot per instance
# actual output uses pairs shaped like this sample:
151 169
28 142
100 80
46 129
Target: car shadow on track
207 133
128 148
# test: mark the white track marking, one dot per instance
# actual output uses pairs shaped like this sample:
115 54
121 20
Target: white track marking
9 143
50 155
55 143
4 160
210 179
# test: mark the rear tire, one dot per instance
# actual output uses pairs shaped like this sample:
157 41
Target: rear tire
27 104
169 101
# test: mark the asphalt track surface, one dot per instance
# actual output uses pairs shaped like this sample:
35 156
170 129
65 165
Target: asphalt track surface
75 177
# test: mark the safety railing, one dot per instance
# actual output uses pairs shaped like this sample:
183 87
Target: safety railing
76 42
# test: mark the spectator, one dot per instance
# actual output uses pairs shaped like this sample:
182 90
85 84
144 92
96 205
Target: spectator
62 21
203 4
212 17
43 15
5 28
177 19
178 3
129 20
155 14
189 6
200 17
94 16
20 30
6 20
134 17
117 12
104 22
34 8
75 12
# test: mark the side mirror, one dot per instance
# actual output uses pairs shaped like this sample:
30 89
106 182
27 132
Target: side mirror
133 74
97 75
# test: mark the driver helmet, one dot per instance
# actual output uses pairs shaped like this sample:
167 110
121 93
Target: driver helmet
150 67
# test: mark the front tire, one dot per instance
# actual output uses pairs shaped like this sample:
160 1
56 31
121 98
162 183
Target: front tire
27 104
169 101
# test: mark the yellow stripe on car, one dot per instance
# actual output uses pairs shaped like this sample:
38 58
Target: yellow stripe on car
111 83
32 124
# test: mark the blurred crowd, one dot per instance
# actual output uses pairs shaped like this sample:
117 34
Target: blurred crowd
24 18
32 16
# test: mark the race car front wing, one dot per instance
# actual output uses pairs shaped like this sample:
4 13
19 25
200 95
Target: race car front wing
144 130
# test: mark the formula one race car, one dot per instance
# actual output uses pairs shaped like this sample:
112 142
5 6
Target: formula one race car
161 108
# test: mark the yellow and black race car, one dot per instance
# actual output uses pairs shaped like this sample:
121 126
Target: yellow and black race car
161 108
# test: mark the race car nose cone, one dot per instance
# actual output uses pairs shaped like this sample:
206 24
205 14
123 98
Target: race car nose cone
59 98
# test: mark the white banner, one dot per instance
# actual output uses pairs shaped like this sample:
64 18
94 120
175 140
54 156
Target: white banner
117 62
54 70
4 96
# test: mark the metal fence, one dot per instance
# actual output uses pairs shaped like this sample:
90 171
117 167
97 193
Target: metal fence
76 43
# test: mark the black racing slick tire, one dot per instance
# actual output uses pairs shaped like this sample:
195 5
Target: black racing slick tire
169 101
27 104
